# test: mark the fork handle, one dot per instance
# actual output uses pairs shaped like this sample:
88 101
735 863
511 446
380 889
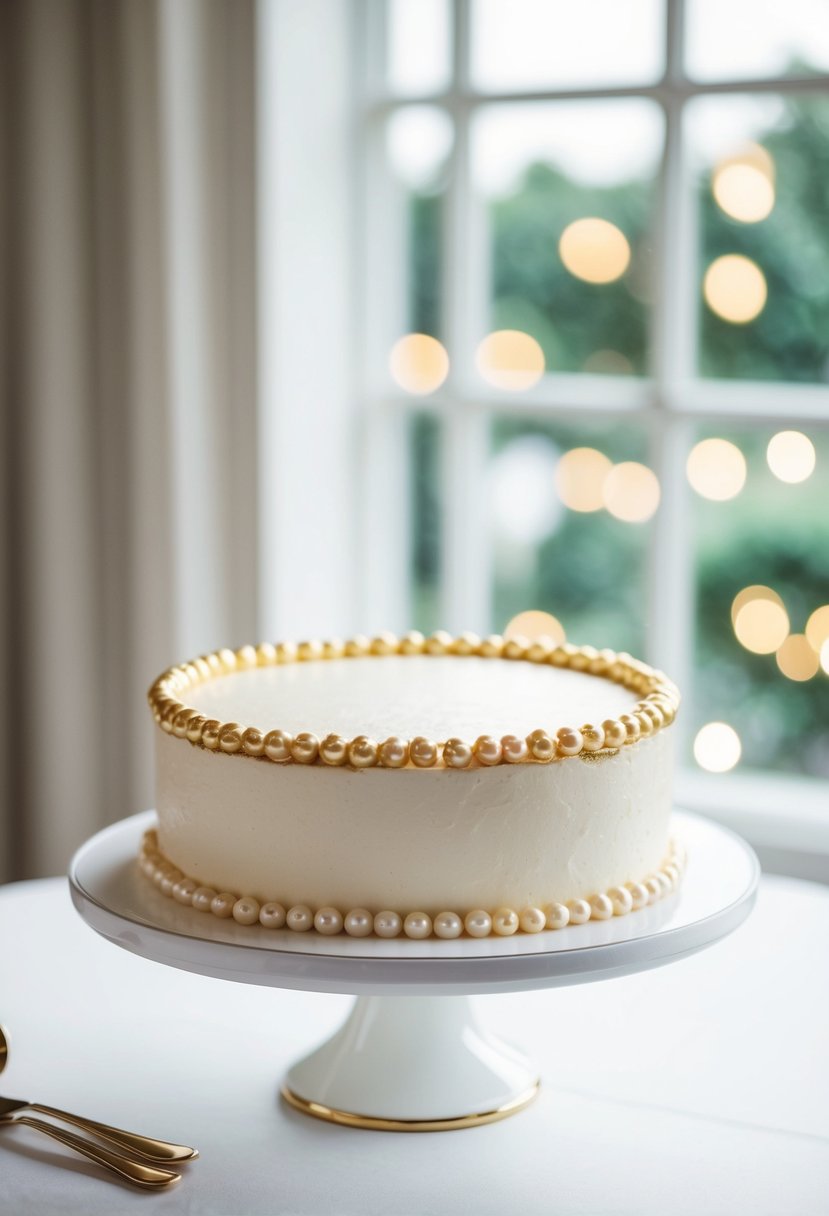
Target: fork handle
145 1146
133 1171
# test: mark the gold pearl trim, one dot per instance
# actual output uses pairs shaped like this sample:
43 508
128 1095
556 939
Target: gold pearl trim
361 922
657 707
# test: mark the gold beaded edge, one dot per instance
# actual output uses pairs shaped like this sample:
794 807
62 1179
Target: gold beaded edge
360 922
656 709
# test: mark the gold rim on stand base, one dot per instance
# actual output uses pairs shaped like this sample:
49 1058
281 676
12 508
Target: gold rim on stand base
377 1124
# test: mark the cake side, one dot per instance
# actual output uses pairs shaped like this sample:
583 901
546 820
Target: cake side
430 840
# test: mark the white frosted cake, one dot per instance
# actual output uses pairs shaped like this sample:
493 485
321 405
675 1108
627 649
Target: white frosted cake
414 786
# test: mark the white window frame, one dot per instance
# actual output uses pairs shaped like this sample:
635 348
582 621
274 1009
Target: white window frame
308 425
787 819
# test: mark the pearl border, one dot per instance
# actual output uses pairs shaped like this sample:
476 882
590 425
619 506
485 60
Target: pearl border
656 709
360 922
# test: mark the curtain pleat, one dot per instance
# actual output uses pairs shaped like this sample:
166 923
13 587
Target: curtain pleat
122 393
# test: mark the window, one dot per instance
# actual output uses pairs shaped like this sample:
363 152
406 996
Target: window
597 348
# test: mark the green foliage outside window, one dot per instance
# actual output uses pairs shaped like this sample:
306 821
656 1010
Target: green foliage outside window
589 571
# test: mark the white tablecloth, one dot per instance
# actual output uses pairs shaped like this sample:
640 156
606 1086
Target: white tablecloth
701 1087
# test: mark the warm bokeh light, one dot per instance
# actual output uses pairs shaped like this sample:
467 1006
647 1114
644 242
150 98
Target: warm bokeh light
735 288
817 627
756 592
580 478
824 656
419 364
717 747
510 359
594 250
759 158
791 456
796 659
631 492
533 625
743 192
716 469
743 185
761 626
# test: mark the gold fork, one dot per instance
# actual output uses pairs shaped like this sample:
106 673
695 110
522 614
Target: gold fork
136 1172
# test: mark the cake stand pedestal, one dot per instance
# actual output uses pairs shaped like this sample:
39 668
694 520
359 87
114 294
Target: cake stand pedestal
412 1055
401 1063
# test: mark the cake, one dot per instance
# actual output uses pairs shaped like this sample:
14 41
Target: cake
414 786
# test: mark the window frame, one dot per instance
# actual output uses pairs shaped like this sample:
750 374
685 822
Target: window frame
669 402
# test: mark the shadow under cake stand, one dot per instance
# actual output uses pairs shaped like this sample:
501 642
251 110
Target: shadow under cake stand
412 1054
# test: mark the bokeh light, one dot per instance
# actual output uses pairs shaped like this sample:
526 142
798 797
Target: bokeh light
510 359
791 456
716 469
419 140
817 627
521 491
419 364
735 288
761 626
743 193
534 625
756 592
717 747
631 492
594 250
743 185
824 656
580 477
796 658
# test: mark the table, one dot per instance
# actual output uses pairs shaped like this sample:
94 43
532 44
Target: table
698 1087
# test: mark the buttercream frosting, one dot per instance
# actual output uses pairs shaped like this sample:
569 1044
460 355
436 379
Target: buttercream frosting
513 835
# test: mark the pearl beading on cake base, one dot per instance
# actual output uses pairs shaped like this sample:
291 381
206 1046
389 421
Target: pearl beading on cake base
656 709
360 922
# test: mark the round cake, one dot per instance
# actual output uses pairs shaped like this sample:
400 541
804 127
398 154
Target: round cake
414 786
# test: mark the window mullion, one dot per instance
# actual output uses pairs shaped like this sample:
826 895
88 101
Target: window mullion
381 438
466 579
670 599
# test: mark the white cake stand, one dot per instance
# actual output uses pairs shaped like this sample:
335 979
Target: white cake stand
412 1055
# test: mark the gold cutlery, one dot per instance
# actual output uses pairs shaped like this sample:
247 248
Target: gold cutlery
136 1172
145 1147
160 1151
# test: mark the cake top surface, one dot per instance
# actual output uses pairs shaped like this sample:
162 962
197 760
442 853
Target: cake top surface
413 701
438 696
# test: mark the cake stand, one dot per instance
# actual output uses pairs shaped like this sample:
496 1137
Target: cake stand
412 1054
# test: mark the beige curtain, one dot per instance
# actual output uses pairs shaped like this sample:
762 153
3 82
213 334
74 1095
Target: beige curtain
128 419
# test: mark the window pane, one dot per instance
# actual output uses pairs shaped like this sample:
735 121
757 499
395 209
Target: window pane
419 55
764 236
568 189
745 39
426 547
762 551
556 44
407 251
576 561
419 145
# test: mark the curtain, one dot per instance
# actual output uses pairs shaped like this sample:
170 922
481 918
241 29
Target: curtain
128 429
